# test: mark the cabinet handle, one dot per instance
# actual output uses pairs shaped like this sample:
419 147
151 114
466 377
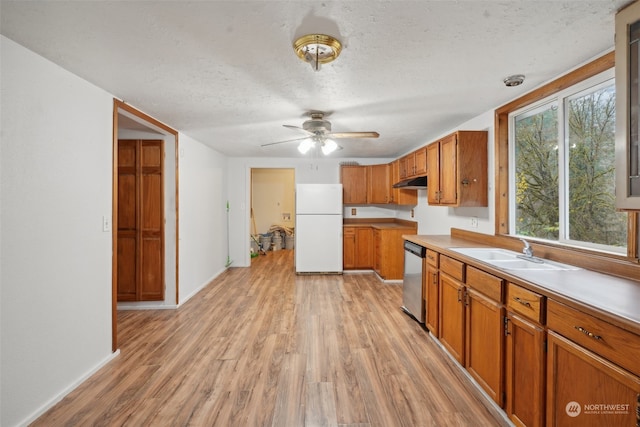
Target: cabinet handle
587 333
506 326
459 296
523 302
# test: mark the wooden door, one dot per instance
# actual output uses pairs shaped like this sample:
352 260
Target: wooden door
349 248
449 171
587 390
452 316
378 188
354 184
432 284
485 342
364 247
525 370
140 247
433 173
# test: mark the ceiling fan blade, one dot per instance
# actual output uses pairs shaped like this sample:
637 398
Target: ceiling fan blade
298 128
353 135
283 142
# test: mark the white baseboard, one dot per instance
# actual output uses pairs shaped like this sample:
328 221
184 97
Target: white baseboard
57 398
201 287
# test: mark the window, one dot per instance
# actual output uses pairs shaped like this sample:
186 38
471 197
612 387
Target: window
563 182
571 121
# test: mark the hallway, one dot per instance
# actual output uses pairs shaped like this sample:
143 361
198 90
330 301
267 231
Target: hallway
261 346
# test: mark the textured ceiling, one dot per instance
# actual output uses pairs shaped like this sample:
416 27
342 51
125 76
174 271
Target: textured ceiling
225 73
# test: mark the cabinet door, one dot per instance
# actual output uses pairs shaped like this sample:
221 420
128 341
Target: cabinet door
432 296
364 247
452 316
349 248
484 342
354 184
421 161
448 171
433 173
400 196
377 252
378 188
410 160
586 390
525 372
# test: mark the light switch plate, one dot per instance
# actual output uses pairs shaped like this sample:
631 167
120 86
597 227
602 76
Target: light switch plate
106 223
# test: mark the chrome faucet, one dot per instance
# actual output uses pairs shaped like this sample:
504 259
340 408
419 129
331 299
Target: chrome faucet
527 250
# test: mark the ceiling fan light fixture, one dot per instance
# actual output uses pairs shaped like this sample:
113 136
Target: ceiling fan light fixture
317 49
305 145
329 146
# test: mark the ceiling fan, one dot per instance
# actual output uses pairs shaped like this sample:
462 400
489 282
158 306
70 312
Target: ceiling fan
319 133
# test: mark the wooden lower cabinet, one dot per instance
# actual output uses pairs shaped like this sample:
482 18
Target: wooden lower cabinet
357 248
525 371
364 247
432 287
587 390
348 248
452 316
484 342
389 252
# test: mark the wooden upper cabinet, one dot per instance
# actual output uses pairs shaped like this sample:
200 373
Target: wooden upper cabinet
433 173
399 196
457 170
378 188
354 184
420 157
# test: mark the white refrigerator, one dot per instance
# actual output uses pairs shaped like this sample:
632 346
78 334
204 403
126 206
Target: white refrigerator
318 229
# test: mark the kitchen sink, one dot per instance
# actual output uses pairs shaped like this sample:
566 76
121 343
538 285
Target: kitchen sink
510 260
488 254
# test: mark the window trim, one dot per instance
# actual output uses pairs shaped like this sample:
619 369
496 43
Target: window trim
501 147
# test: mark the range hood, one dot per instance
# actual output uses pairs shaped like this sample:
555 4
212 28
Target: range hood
417 183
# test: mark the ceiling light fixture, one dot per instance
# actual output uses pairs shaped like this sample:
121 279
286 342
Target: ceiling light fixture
317 49
515 80
306 145
327 145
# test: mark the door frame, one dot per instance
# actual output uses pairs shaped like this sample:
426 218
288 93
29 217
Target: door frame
119 107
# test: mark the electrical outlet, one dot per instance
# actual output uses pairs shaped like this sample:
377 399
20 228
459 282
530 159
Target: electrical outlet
353 211
474 222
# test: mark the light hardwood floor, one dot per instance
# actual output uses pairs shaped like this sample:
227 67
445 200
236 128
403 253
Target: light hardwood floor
261 346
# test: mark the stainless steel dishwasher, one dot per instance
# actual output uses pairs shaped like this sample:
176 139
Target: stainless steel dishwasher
412 299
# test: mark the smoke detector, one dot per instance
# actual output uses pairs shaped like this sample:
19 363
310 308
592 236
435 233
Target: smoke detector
515 80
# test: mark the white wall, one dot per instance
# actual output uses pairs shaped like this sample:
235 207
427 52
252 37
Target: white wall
56 260
203 215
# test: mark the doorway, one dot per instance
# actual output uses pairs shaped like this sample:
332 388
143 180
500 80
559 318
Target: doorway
130 123
272 196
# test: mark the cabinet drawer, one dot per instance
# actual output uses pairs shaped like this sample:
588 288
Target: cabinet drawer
452 267
485 283
525 302
611 342
432 258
